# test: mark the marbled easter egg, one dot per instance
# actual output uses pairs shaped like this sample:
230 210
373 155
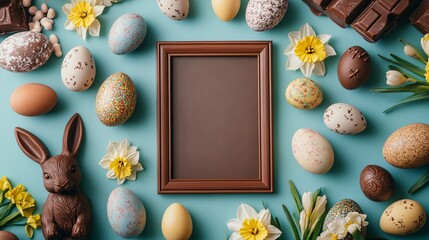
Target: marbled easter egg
262 15
126 213
127 33
403 217
78 69
174 9
340 210
25 51
344 118
303 93
312 151
116 99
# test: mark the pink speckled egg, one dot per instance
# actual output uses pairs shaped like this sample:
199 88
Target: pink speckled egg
127 33
116 99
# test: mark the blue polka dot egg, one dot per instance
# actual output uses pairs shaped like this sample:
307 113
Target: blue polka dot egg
127 33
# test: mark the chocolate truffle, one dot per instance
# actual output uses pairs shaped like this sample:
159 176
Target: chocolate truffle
354 68
376 183
420 17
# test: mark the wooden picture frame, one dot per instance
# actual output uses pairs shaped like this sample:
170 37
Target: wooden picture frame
214 109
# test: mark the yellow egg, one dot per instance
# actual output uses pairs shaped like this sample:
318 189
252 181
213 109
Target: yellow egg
176 223
226 10
403 217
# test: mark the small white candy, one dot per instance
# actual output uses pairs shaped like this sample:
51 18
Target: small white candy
38 15
37 27
26 3
31 25
44 8
57 50
47 23
51 13
53 38
32 10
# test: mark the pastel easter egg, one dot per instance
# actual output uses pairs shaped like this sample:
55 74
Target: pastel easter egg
262 15
127 33
226 10
174 9
116 99
403 217
344 118
303 93
126 213
354 67
33 99
25 51
312 151
78 69
176 223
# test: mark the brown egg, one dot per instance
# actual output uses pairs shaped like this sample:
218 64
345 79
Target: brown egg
408 146
5 235
354 68
376 183
33 99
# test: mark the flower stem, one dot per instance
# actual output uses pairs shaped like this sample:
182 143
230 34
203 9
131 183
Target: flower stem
423 180
9 217
291 223
357 235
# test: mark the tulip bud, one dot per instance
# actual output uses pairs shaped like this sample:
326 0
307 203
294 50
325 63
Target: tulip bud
395 78
410 51
425 43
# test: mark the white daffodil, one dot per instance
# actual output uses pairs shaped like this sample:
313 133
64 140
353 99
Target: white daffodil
81 17
319 209
106 3
355 221
122 161
309 217
308 51
425 43
252 225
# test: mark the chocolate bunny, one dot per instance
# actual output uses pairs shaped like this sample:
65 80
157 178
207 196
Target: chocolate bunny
67 211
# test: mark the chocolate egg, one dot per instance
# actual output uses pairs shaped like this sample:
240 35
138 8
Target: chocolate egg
5 235
33 99
354 68
376 183
408 146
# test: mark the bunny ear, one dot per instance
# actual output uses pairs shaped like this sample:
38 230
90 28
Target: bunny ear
73 134
31 145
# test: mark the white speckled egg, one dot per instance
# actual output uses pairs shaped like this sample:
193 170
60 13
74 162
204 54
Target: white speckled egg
226 10
78 69
174 9
312 151
126 213
127 33
262 15
176 223
303 93
344 118
403 217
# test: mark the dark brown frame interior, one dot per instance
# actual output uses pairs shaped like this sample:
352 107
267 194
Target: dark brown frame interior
261 51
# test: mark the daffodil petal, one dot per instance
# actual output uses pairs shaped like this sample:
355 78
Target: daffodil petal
235 236
120 181
294 37
319 69
81 32
306 30
234 225
264 216
94 29
132 177
110 174
98 10
273 233
132 149
324 38
69 25
329 51
307 69
293 63
91 2
245 212
122 148
289 51
74 2
133 157
138 167
112 148
105 162
66 8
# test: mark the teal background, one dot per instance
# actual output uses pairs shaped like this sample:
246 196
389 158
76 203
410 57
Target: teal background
210 212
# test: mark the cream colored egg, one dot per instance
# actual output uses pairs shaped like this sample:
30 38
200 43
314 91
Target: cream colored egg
403 217
176 223
344 118
78 69
226 10
174 9
304 93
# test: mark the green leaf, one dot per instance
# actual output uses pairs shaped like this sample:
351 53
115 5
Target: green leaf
291 223
296 196
409 66
319 225
4 210
412 98
414 87
9 217
296 220
407 74
423 180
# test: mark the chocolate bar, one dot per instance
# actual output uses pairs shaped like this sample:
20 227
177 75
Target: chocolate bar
12 17
318 7
420 17
344 12
380 17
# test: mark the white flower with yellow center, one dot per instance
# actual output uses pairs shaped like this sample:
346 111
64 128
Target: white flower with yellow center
122 161
81 17
308 51
106 3
250 225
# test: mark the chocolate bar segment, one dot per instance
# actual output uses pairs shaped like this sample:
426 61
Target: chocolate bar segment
380 17
318 7
344 12
420 17
12 17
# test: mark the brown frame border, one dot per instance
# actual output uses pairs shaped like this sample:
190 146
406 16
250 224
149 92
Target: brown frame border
262 50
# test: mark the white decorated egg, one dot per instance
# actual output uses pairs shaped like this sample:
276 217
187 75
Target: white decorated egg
226 10
174 9
262 15
344 118
312 151
126 213
403 217
78 69
127 33
176 223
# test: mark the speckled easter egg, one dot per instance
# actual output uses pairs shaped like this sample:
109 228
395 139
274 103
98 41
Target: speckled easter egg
262 15
408 146
116 99
403 217
127 33
126 213
174 9
303 93
340 210
312 151
344 118
78 69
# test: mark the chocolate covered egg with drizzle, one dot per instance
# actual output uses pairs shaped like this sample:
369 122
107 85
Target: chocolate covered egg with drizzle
354 68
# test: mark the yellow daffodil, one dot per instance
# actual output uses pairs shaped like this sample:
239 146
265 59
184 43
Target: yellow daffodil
4 184
81 17
33 222
308 51
15 195
26 205
122 161
251 225
427 72
106 3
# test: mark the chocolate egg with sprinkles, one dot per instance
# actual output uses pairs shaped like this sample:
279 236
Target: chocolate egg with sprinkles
116 99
